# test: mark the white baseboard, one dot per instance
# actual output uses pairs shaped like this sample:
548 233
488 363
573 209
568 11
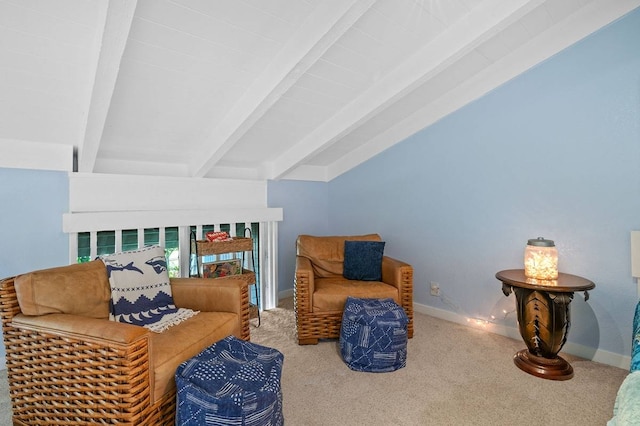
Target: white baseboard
599 355
285 294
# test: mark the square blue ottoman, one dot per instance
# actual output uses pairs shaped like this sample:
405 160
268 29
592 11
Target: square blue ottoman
373 336
232 382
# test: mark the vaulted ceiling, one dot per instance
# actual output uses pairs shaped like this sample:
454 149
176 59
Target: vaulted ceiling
258 89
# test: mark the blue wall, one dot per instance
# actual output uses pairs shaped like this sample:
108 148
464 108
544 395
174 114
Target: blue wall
31 234
305 212
554 153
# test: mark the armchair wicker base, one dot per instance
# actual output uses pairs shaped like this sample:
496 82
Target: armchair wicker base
69 369
321 291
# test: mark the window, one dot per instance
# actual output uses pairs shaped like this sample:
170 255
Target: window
107 242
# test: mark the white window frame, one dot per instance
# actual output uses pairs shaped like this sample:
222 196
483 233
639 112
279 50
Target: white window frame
100 202
267 254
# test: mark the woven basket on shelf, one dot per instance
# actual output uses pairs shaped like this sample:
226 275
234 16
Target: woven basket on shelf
235 244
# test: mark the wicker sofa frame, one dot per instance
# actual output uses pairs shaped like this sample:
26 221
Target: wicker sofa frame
313 325
66 379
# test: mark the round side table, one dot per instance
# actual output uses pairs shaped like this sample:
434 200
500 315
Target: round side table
543 320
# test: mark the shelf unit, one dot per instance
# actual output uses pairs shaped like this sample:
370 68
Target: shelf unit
242 245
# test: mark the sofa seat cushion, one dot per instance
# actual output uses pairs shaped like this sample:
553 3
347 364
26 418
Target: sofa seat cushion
183 341
331 293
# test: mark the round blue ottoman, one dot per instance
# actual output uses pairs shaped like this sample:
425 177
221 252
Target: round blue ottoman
232 382
373 336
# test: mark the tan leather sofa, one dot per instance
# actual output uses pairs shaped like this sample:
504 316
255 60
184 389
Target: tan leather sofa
69 364
321 291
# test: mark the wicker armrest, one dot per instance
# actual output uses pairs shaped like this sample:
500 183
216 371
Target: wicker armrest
304 284
303 266
393 270
81 328
208 295
400 274
214 295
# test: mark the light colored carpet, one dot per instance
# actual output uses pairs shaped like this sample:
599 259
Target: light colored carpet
455 375
5 405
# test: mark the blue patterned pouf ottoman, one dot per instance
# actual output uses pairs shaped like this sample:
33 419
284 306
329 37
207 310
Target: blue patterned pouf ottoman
373 336
232 382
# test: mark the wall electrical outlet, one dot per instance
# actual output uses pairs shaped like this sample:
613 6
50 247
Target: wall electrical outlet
435 289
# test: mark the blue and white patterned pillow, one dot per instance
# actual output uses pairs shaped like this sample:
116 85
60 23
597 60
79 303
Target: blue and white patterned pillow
141 290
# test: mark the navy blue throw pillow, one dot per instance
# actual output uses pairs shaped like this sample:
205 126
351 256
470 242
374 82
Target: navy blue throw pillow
363 260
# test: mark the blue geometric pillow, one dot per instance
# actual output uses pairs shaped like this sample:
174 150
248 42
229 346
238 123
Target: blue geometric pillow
363 260
141 290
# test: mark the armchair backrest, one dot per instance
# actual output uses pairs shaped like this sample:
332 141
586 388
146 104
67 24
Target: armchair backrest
78 289
327 253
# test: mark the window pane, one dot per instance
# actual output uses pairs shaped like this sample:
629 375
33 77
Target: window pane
106 242
172 251
151 236
106 245
84 247
171 239
173 261
129 239
253 230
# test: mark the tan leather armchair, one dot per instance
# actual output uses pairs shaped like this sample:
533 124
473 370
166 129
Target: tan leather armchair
320 290
69 364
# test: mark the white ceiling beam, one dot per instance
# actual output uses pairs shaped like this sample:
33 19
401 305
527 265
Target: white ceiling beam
134 167
541 47
481 23
329 21
117 19
21 154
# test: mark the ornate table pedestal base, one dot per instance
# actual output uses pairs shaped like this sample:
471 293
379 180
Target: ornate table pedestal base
543 320
548 368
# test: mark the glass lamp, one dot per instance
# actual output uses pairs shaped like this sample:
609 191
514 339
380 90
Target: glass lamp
541 259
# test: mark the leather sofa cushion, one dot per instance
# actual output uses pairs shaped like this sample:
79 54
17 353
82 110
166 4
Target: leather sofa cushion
331 293
79 289
184 341
327 253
